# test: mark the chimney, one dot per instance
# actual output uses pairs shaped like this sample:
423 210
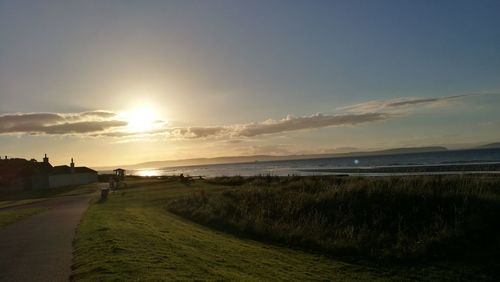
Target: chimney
45 159
72 165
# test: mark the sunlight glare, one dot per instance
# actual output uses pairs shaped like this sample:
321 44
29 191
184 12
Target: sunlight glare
142 119
148 172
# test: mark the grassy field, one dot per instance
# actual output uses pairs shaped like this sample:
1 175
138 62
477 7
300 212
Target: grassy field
133 236
11 216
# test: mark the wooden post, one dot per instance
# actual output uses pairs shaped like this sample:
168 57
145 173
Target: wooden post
104 194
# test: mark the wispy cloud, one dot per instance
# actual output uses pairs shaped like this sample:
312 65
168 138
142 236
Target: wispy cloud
82 127
98 113
238 131
58 123
291 123
396 104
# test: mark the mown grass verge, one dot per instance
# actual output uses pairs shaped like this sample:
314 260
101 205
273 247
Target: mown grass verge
395 218
17 205
39 194
14 203
11 216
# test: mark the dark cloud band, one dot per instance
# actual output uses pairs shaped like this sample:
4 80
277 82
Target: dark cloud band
57 123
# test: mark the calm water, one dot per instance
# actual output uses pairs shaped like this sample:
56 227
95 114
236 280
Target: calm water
297 166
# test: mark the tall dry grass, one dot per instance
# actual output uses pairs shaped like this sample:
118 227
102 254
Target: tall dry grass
392 217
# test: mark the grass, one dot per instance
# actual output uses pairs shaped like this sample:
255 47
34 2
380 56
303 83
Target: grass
133 236
40 194
11 216
17 205
379 218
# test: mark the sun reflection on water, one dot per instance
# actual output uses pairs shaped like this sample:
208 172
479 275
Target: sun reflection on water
147 172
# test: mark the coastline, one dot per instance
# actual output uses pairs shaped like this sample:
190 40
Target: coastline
478 168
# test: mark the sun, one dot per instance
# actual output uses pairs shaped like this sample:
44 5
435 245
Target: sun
142 119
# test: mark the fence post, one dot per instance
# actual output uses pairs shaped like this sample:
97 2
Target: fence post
104 194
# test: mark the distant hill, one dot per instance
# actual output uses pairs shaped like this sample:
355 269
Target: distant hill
266 158
491 145
396 151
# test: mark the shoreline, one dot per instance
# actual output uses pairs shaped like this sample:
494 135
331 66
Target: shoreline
490 168
479 168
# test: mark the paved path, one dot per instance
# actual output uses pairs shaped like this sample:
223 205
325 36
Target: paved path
39 248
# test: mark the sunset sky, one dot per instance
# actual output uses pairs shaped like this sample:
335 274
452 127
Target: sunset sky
121 82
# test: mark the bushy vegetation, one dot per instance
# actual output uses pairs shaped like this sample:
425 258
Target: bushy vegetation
393 217
227 180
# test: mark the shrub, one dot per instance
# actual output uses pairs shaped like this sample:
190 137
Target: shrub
393 217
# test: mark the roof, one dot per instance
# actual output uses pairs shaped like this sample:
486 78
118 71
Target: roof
61 169
64 169
21 169
119 169
18 168
12 168
84 169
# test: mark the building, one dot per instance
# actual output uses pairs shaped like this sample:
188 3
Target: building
64 175
21 174
119 173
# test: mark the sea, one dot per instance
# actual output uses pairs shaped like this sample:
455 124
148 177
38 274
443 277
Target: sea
309 166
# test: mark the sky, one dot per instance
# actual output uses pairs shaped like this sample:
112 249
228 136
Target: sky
122 82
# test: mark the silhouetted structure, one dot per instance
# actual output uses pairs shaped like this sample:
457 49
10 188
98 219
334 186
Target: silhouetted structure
119 173
21 174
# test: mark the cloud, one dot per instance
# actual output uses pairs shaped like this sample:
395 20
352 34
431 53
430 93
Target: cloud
58 123
101 123
367 112
99 113
286 124
202 132
27 122
122 134
415 101
307 122
82 127
401 103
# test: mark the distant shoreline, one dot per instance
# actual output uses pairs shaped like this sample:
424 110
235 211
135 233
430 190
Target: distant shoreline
415 169
203 162
428 163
